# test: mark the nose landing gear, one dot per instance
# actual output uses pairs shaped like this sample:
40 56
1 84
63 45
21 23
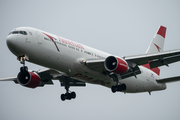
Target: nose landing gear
22 60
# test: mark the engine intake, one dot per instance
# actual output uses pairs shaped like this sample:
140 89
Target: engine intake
29 79
116 65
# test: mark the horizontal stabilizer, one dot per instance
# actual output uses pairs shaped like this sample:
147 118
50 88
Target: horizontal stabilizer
168 80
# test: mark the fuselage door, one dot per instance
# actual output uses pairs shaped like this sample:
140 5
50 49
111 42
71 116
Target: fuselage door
39 37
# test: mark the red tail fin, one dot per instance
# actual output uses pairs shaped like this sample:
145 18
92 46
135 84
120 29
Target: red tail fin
157 43
162 31
156 46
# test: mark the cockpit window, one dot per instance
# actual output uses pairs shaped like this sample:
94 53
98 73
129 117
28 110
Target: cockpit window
23 32
15 32
18 32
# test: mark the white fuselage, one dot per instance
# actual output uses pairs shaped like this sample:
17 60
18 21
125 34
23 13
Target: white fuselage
64 55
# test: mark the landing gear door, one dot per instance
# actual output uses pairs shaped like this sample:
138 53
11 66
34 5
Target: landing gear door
39 37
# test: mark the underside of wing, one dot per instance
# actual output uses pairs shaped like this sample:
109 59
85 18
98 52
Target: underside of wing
64 80
96 64
99 66
48 75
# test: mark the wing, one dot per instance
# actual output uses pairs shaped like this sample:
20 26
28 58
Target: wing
155 60
98 65
47 75
95 64
9 79
168 80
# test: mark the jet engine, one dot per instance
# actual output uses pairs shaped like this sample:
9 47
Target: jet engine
29 79
116 65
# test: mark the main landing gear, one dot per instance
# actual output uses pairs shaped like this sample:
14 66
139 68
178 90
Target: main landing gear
68 95
118 87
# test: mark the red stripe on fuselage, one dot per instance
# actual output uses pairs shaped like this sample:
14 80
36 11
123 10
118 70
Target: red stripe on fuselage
156 70
52 41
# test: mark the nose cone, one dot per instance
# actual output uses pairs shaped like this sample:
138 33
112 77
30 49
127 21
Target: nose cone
11 43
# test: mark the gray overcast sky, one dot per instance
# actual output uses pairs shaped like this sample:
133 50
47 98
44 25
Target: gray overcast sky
120 27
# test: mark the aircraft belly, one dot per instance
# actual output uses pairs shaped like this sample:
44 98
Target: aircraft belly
95 78
140 84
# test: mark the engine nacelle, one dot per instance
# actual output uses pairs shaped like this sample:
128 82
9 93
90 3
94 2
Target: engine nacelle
29 79
116 65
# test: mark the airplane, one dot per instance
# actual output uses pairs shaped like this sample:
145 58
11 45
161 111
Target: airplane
75 64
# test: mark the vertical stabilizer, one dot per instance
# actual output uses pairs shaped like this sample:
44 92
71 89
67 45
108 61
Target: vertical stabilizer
157 43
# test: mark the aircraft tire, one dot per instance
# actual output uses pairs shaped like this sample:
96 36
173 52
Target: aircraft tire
119 87
63 97
73 95
24 69
123 86
113 89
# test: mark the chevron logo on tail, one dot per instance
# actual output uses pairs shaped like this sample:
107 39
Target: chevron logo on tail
157 47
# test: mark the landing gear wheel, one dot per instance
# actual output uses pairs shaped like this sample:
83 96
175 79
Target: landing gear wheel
73 95
113 89
68 96
123 86
118 88
24 69
63 97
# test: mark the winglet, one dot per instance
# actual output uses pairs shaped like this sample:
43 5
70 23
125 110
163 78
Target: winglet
162 31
